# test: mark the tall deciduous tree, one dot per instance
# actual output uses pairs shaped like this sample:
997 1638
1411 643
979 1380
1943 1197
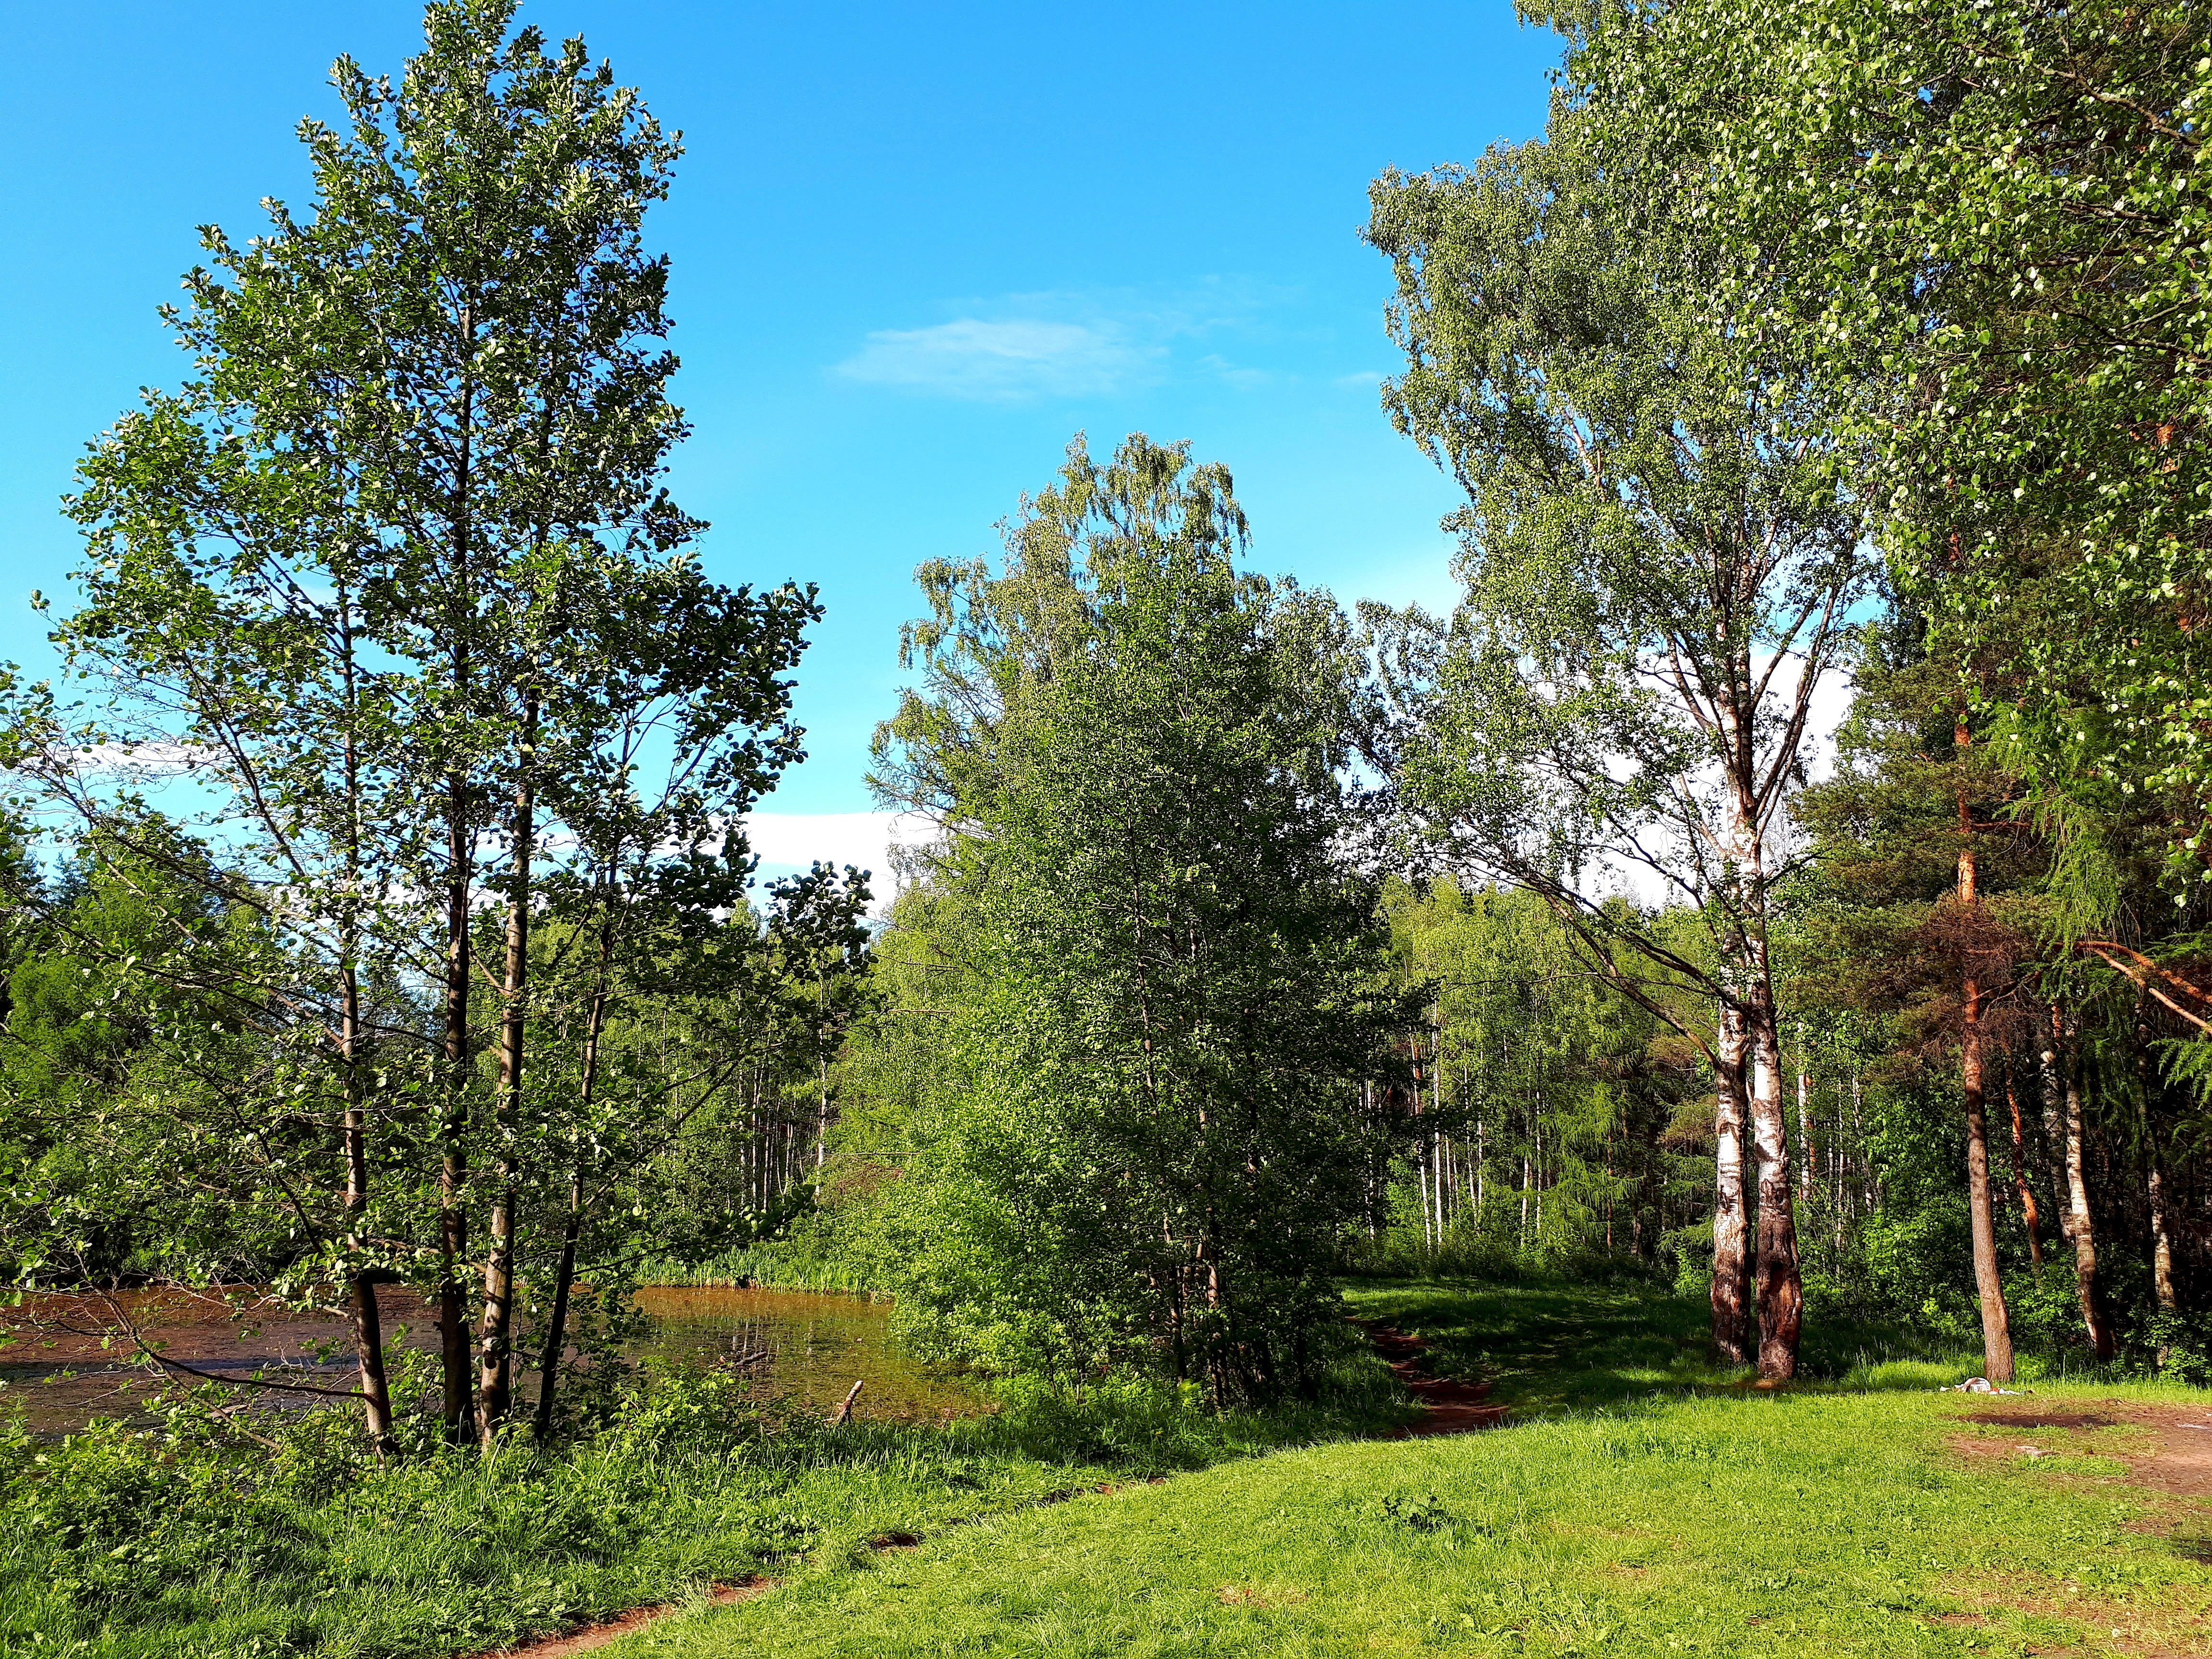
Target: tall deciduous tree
1984 217
1659 558
1136 750
394 580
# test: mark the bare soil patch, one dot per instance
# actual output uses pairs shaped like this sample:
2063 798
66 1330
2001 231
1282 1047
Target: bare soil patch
2168 1448
599 1636
1447 1404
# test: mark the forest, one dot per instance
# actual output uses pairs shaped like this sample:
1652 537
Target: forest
1777 886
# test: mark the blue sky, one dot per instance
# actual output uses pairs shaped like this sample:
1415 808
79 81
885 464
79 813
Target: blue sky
914 249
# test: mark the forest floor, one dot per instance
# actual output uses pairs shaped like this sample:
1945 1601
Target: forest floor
1632 1501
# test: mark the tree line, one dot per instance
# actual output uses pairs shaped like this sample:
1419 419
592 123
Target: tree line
379 912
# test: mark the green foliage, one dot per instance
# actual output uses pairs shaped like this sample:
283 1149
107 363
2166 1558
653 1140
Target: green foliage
1980 215
1170 987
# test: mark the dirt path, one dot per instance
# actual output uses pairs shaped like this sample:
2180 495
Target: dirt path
1447 1405
2169 1449
598 1636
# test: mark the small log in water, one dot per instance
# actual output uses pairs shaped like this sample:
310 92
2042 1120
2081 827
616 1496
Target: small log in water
844 1411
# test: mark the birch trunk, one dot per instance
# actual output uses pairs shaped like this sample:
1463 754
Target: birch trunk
1781 1290
2054 1126
1731 1289
496 1333
1996 1331
2088 1289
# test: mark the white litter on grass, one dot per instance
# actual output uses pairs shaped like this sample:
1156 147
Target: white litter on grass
1978 1385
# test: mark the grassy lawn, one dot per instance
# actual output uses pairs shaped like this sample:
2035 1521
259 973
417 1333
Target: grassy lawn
204 1545
1643 1507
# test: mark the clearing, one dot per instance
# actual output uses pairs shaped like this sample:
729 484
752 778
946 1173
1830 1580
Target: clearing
1633 1502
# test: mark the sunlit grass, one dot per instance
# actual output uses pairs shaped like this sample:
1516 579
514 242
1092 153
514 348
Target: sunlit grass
1649 1504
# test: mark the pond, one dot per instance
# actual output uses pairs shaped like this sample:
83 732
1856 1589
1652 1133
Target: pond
798 1346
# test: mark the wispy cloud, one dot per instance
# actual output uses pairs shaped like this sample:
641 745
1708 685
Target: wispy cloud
1074 345
1004 360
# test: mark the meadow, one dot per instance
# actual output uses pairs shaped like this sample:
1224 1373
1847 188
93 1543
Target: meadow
1639 1501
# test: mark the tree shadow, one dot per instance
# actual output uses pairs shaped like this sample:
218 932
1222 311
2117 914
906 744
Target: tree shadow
1563 1344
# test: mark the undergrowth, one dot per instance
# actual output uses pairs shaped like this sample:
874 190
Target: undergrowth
227 1534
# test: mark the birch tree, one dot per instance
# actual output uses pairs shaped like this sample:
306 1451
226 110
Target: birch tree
1659 559
392 587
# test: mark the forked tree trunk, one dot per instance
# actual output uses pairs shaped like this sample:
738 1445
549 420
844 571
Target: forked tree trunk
1731 1290
1781 1290
1996 1330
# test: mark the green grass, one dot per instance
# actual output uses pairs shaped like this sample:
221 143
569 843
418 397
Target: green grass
203 1545
1645 1506
1645 1502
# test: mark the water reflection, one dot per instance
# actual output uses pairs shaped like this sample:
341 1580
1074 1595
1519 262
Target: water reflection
810 1349
800 1347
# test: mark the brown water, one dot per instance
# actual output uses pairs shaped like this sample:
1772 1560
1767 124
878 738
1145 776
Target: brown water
68 1362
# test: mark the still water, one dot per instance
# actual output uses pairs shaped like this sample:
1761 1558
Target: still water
798 1347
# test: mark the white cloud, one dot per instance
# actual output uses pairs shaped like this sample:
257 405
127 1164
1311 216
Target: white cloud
1065 344
1243 380
1004 361
1362 381
790 842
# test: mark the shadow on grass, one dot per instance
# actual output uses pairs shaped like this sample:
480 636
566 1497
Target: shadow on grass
1569 1346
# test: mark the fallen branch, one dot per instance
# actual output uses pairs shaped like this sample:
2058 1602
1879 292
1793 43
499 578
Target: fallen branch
2148 974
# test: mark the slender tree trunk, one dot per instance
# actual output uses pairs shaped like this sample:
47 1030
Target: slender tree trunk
2087 1288
1731 1288
564 1270
2054 1126
364 1316
458 1405
2028 1212
1996 1330
1806 1164
1780 1291
495 1339
2161 1236
460 1402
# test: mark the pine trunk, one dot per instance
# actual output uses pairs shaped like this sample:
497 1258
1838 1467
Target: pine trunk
2028 1217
